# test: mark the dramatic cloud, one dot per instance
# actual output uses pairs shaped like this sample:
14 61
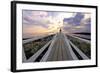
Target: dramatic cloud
74 20
81 22
47 22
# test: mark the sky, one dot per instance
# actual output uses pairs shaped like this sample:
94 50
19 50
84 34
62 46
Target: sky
39 23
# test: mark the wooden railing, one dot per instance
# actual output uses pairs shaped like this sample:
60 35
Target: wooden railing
51 44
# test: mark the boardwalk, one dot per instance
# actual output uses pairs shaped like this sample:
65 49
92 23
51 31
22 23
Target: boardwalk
60 50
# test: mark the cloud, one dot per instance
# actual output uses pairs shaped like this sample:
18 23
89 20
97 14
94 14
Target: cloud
81 22
74 20
35 18
43 22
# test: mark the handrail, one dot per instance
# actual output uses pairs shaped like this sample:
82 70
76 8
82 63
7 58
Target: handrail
79 51
33 39
34 57
45 57
87 41
70 49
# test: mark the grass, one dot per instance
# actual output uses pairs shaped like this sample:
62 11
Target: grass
32 47
83 46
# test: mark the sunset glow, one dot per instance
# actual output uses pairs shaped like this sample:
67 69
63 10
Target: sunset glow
36 23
